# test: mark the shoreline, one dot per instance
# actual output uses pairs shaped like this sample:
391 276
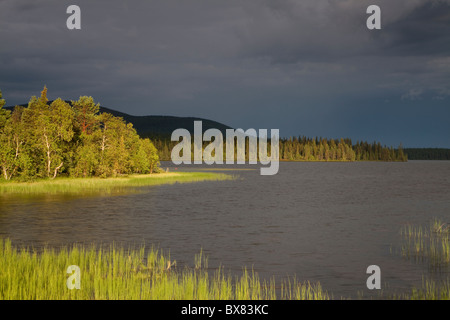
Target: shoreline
112 273
105 185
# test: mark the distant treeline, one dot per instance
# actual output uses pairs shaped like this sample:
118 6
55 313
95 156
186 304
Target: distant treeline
313 149
47 139
427 153
323 149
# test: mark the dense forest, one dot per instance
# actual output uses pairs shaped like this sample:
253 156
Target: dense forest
314 149
322 149
427 153
47 139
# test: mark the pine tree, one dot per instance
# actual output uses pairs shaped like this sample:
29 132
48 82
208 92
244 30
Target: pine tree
86 111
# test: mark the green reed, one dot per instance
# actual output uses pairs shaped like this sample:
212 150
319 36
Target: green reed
292 289
110 272
430 290
429 244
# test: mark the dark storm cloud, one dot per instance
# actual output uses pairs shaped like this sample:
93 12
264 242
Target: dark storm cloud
293 31
424 31
307 67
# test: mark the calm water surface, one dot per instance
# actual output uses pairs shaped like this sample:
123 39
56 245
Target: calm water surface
322 222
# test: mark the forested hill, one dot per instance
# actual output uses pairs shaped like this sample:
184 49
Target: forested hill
159 129
155 126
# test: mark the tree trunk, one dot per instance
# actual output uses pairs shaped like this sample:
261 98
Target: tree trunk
5 173
49 161
56 170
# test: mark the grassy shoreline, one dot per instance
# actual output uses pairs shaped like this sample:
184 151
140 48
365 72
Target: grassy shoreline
108 185
114 273
110 272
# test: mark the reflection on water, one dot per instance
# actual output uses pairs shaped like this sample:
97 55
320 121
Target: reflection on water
322 222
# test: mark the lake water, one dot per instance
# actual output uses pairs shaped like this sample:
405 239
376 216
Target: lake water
322 222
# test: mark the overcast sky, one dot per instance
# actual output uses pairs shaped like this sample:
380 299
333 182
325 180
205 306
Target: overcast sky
306 67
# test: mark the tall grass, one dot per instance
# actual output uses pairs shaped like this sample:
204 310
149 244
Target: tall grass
429 244
430 290
114 273
107 186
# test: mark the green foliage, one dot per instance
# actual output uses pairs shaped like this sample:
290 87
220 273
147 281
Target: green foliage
85 113
46 139
149 156
3 113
